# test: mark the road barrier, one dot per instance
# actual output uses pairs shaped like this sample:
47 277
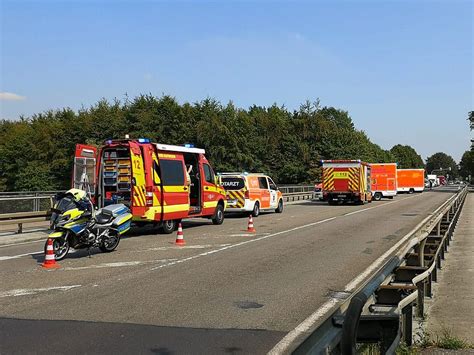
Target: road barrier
380 310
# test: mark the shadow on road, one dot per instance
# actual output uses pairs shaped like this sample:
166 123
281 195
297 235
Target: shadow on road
80 337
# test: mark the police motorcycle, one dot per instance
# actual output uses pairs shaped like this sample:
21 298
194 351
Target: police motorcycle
77 224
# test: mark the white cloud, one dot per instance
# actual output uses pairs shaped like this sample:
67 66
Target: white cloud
8 96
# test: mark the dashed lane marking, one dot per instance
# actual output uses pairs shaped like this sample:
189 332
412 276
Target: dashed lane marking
117 264
34 291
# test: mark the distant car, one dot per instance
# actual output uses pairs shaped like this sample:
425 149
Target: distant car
318 192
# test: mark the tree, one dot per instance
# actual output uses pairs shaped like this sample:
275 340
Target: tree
470 118
406 157
466 165
442 163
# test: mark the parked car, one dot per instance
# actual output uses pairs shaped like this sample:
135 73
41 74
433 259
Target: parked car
318 192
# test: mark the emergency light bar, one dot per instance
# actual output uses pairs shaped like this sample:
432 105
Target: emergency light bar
179 148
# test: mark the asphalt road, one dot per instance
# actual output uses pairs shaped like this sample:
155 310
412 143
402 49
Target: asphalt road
225 292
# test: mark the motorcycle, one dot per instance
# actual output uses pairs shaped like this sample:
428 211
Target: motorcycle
78 225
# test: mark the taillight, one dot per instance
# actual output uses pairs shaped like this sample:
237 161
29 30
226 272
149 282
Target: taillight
149 196
247 194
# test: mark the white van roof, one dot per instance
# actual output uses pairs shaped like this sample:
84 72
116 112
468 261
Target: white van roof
179 148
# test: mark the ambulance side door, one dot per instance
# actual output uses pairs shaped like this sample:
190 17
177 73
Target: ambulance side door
209 190
265 192
175 190
273 193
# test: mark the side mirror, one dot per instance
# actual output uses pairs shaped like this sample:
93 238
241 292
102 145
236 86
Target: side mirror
216 180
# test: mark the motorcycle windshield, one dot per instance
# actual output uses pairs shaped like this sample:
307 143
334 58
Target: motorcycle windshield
65 204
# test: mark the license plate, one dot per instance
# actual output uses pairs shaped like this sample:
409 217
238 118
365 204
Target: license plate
341 196
231 202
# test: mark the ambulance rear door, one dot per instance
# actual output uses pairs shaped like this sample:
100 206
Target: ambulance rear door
138 188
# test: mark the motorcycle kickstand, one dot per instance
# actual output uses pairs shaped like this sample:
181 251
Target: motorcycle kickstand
89 252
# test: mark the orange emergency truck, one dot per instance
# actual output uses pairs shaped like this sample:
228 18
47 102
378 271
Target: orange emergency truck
346 181
410 180
383 177
152 179
251 193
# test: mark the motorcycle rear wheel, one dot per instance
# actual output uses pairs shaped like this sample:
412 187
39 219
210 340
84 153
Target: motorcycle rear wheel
110 244
60 246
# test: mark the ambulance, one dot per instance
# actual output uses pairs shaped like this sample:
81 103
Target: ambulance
346 181
383 180
251 193
410 180
160 183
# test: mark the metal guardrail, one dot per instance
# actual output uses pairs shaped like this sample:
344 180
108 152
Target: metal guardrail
381 309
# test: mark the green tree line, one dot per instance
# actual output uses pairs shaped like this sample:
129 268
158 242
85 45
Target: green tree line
36 153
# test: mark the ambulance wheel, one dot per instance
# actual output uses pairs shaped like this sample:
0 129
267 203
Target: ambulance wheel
411 191
218 217
280 207
169 226
377 196
256 209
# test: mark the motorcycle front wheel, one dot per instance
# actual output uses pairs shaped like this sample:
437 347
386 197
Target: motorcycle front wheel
110 243
60 247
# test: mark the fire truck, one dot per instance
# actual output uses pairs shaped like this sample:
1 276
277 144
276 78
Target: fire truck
346 181
161 183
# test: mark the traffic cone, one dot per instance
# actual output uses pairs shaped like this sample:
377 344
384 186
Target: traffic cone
180 236
250 227
49 259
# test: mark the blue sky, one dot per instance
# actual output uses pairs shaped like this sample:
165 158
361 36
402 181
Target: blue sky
403 69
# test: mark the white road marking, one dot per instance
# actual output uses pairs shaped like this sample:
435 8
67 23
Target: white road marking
8 257
177 247
33 291
247 235
29 242
118 264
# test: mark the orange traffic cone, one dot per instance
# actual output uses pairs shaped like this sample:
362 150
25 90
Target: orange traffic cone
250 227
180 236
49 259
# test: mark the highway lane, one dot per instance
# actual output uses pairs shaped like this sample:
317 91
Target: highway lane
224 282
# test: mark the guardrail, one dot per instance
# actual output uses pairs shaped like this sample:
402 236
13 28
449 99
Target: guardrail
380 310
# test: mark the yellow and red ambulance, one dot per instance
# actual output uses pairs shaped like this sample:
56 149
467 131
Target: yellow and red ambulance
161 183
251 193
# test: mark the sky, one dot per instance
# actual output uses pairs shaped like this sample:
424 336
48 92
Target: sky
402 68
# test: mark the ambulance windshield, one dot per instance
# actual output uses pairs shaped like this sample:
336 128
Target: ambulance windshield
232 182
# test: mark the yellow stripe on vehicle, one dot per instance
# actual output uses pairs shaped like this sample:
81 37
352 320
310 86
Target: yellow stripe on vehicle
210 204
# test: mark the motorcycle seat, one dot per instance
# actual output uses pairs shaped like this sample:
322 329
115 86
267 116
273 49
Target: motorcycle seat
103 218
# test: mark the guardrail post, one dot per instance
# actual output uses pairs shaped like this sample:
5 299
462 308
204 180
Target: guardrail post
421 253
20 228
420 309
408 324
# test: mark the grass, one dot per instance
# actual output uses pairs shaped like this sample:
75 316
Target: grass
449 341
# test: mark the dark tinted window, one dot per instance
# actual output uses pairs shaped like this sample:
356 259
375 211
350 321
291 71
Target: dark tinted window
208 173
172 172
232 183
262 182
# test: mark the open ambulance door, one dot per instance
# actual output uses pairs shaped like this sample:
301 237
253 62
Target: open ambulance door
84 175
138 188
